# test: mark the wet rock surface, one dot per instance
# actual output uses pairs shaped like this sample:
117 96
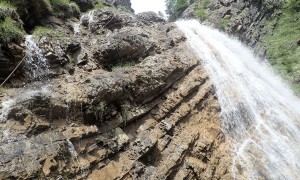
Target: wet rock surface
131 102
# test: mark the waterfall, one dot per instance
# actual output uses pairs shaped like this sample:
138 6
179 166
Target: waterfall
90 18
36 65
36 68
260 115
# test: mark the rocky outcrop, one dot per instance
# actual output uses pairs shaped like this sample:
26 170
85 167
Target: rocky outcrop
125 100
247 20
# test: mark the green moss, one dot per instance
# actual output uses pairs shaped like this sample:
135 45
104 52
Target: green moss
283 47
99 110
7 5
9 30
42 31
122 66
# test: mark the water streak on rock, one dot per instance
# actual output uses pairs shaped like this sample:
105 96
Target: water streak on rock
36 65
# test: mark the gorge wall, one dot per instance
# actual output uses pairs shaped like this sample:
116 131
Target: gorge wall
123 97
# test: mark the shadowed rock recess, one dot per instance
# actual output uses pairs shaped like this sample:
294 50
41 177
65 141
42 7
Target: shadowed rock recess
124 99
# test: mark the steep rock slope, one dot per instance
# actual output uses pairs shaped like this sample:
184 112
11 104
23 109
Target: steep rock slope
244 19
125 98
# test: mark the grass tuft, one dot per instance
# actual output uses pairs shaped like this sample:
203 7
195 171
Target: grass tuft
42 31
9 30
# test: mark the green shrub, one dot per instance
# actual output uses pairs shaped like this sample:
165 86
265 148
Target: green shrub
8 5
201 13
42 31
9 30
295 5
99 5
180 6
175 8
60 2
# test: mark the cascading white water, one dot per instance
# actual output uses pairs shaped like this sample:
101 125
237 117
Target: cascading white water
77 26
36 68
260 115
36 64
91 18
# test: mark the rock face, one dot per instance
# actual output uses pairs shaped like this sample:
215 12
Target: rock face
247 20
127 100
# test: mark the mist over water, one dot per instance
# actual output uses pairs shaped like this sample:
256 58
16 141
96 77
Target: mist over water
260 115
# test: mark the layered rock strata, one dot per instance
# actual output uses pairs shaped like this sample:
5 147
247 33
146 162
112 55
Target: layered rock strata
126 99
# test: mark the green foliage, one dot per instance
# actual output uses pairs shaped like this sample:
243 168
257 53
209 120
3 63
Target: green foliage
180 6
283 47
7 5
99 5
201 11
170 5
9 30
64 8
42 31
224 24
60 2
175 8
99 110
295 5
122 65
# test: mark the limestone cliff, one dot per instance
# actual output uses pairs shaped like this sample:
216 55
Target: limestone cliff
124 98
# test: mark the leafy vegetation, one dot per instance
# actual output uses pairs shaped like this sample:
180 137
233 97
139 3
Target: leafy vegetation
64 8
122 65
9 30
201 11
175 8
7 5
42 31
283 46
